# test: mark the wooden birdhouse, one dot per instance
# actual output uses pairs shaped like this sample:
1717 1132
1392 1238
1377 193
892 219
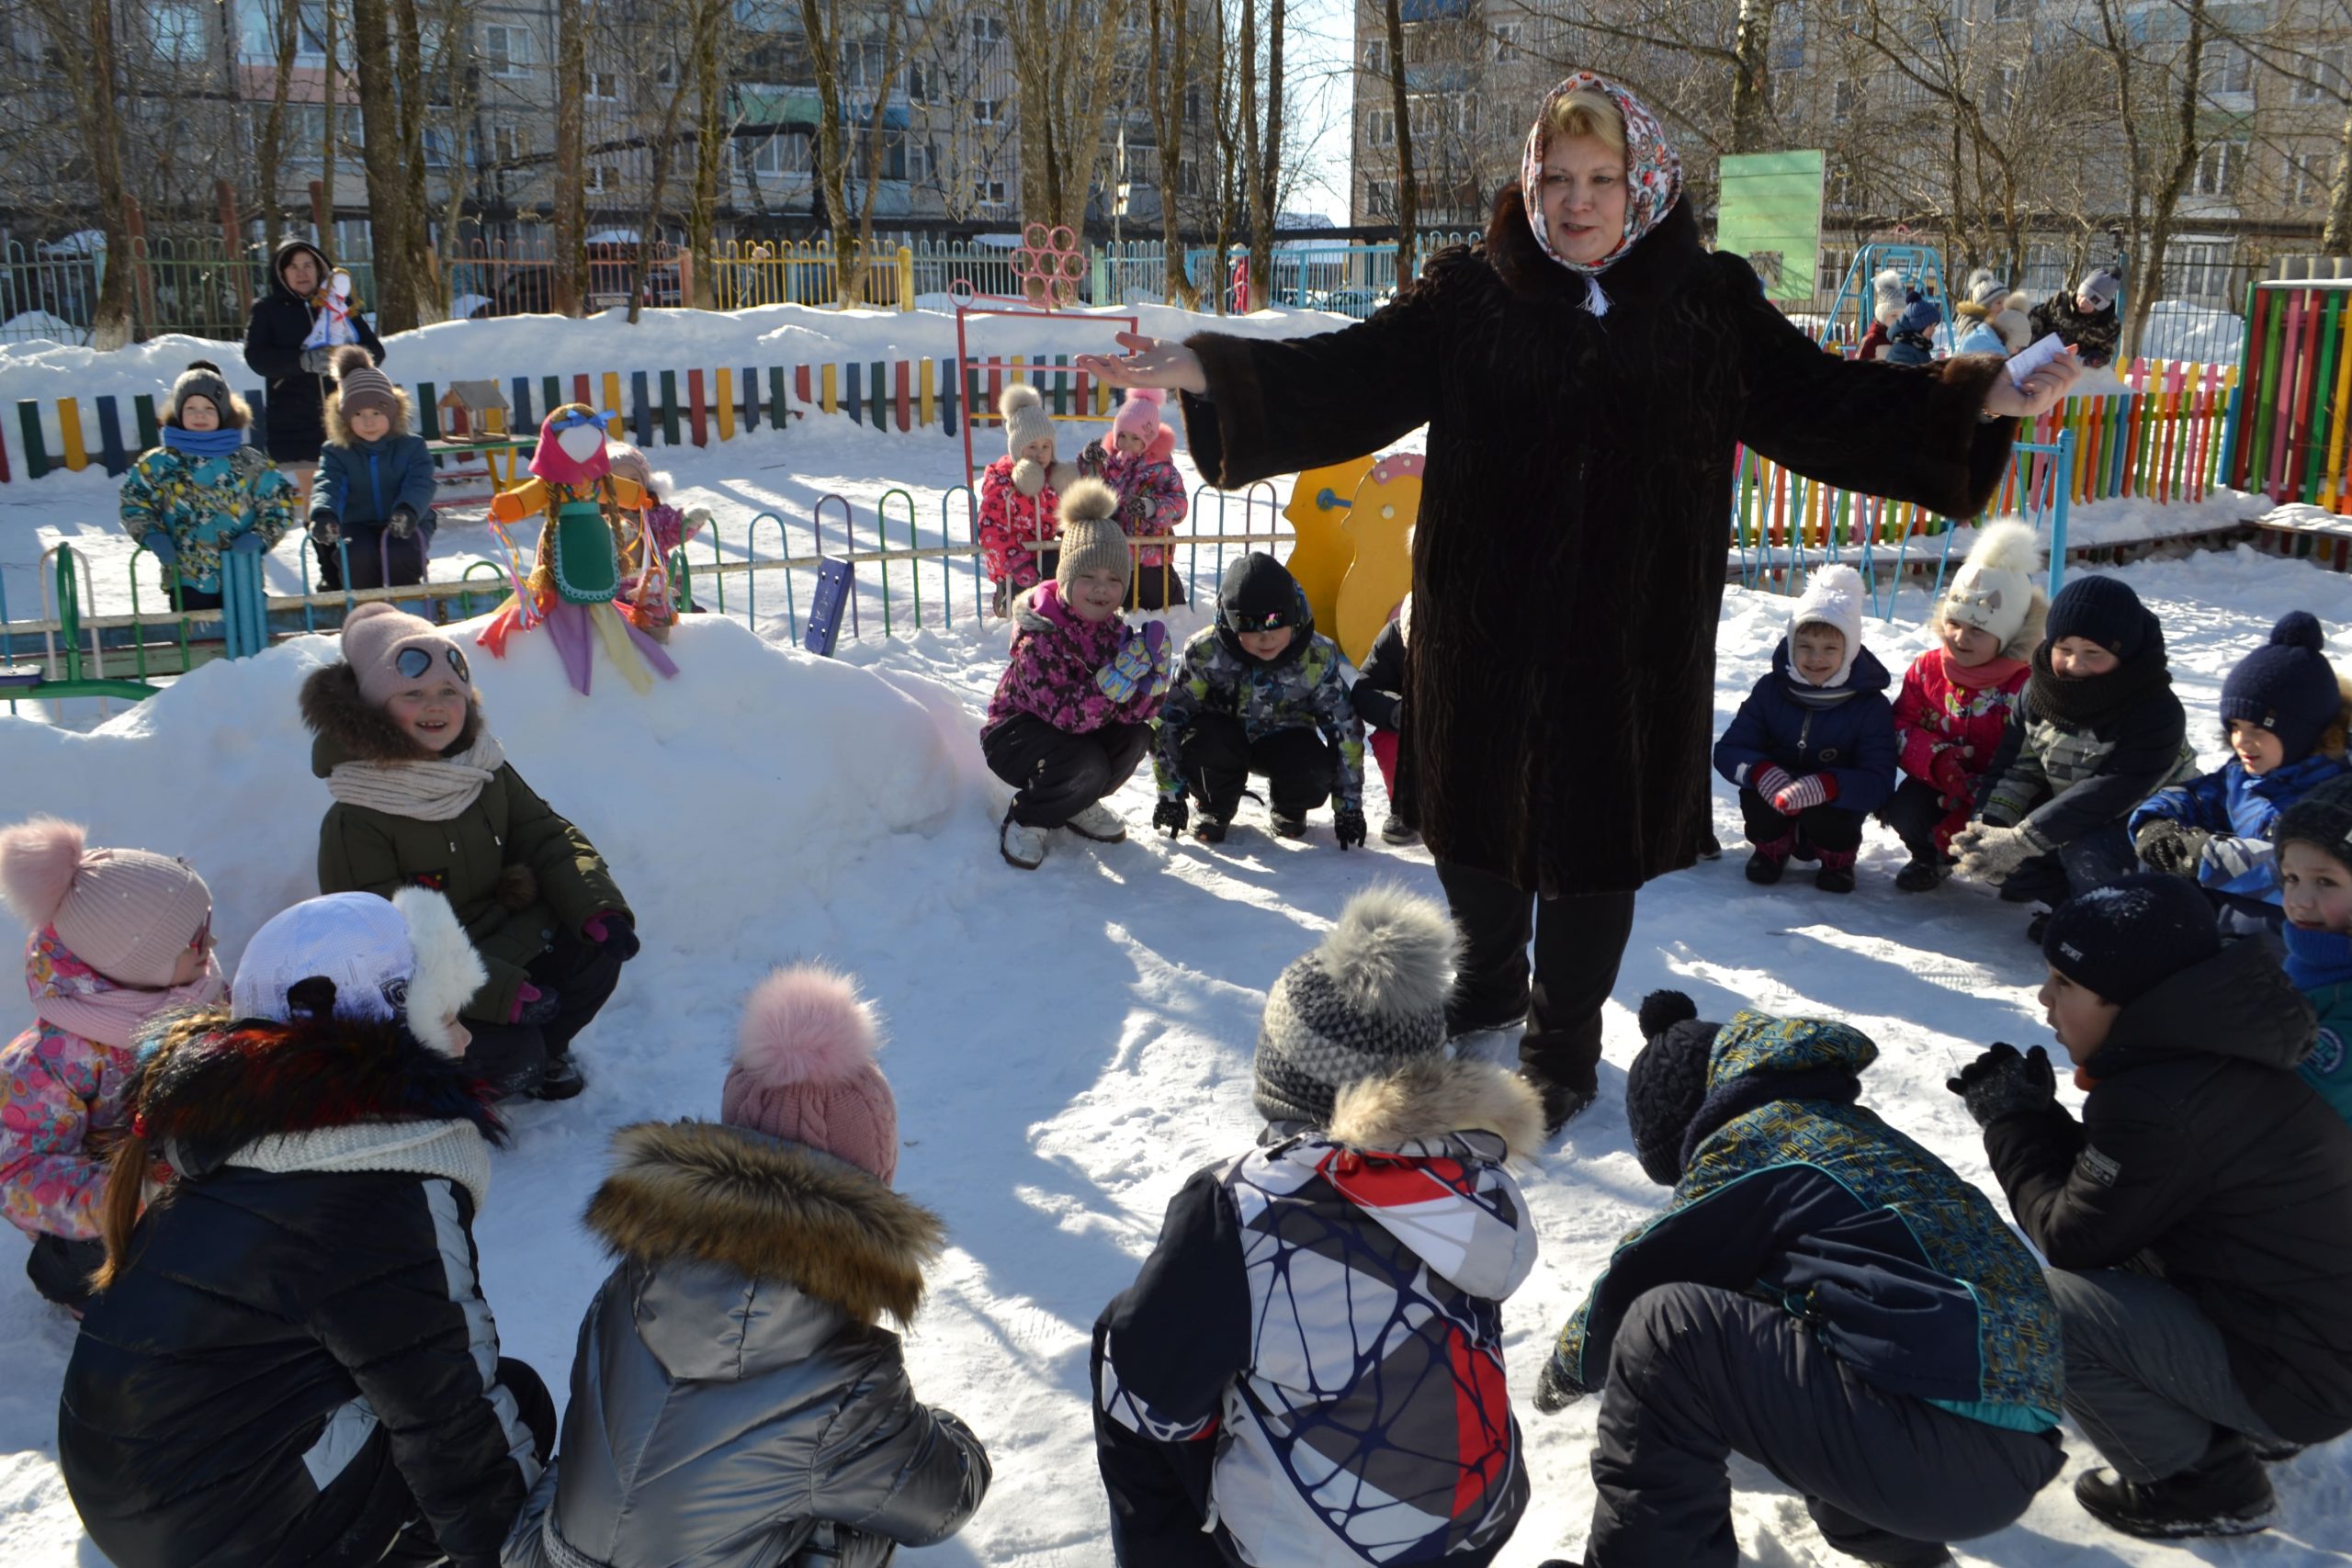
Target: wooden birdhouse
473 408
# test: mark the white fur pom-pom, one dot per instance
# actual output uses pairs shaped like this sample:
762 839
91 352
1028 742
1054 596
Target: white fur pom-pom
1392 951
38 859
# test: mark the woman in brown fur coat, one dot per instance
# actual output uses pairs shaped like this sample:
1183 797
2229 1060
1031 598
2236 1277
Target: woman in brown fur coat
1587 375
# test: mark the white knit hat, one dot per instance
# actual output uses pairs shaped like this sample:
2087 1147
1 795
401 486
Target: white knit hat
1833 598
1025 419
1993 591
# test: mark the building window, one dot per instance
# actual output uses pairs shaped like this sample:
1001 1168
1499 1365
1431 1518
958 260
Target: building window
180 33
989 192
505 50
2320 79
2307 181
512 143
2228 68
785 153
601 177
1379 128
985 110
1379 198
2219 168
1842 98
1510 39
987 31
918 162
1375 56
1188 177
2008 10
605 85
922 82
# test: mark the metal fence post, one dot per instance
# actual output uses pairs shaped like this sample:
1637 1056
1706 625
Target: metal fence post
2064 481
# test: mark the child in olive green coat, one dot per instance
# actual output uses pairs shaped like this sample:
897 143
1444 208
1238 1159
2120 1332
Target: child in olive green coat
425 797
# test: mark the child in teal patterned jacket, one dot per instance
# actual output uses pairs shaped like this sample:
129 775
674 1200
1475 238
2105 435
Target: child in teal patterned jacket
205 492
2313 844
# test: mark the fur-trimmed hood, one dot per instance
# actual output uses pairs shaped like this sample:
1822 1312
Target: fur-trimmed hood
1659 259
1434 1096
349 728
767 1210
208 1085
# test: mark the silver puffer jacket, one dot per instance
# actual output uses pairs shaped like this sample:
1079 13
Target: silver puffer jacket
733 1404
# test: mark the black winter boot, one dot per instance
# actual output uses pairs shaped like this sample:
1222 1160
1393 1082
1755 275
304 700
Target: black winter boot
1210 829
1286 826
1561 1103
2227 1494
1922 874
1765 869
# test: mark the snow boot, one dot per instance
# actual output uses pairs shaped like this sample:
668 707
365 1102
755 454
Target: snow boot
1211 829
1286 826
2227 1494
1100 823
2036 926
1022 845
1922 874
1562 1102
1710 847
1397 830
563 1080
1837 872
1764 867
2278 1452
1497 1042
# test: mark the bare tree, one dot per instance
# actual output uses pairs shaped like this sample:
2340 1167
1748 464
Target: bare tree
86 42
2186 150
1165 84
1408 195
383 158
568 286
711 127
1063 56
269 148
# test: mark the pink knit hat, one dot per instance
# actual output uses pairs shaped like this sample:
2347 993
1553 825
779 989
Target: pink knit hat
1140 416
375 635
804 1070
129 914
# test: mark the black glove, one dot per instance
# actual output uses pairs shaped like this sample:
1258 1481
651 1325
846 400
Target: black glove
1347 821
1171 816
2003 1083
2174 848
618 937
402 523
1555 1389
325 529
1135 509
319 361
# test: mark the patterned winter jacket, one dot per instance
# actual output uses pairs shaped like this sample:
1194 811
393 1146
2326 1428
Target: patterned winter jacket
1905 1272
1935 715
1327 1312
1848 733
1055 658
2068 780
1305 689
1009 521
2320 964
2239 809
203 503
61 1098
1141 478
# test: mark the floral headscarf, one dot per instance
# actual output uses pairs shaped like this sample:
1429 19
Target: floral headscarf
1653 178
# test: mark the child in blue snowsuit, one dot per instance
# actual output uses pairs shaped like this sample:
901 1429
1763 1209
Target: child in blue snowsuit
373 502
2283 712
2313 841
205 491
1812 749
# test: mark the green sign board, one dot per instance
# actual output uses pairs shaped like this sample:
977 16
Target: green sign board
1771 213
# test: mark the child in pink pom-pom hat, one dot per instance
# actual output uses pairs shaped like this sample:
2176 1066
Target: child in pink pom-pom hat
1134 459
734 1382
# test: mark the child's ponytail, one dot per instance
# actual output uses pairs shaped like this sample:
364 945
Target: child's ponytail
118 1206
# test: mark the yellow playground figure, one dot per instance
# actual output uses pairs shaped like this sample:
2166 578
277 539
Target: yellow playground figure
1351 522
574 585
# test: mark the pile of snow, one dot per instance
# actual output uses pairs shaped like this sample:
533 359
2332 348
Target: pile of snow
1068 1045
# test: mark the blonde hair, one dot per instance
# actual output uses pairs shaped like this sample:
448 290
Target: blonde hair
1587 111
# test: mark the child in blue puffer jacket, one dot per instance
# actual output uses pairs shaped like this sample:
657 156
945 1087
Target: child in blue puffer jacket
2285 713
373 505
1813 748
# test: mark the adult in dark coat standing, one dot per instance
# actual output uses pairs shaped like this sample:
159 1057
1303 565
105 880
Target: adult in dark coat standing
300 377
1586 377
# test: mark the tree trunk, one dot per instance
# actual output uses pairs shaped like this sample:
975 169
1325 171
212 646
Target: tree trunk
858 285
2152 279
84 35
269 142
821 22
2336 238
386 169
1165 89
567 280
1250 157
1751 77
428 299
454 64
1268 213
1408 194
331 77
710 152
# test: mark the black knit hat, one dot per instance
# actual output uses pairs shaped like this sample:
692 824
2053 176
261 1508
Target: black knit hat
2122 940
1668 1082
1260 595
2102 610
2322 818
2286 685
203 378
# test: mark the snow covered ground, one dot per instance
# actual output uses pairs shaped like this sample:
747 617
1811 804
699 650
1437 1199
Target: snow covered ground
1069 1044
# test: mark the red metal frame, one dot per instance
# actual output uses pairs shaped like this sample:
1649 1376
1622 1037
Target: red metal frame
1005 305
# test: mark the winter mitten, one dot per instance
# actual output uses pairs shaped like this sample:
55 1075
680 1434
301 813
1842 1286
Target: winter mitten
1804 793
2171 847
1769 781
1119 679
693 520
159 544
2003 1083
1093 459
533 1006
319 361
248 544
1347 821
325 529
1555 1389
404 522
1170 816
1949 772
613 933
1135 512
1992 854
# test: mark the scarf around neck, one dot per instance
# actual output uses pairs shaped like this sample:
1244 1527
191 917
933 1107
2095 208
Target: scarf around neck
434 790
2317 959
203 442
75 998
1653 178
2093 699
1982 677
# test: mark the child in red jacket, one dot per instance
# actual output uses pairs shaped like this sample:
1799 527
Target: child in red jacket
1956 698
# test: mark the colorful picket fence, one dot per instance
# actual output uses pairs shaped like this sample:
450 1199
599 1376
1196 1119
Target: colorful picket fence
2289 437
